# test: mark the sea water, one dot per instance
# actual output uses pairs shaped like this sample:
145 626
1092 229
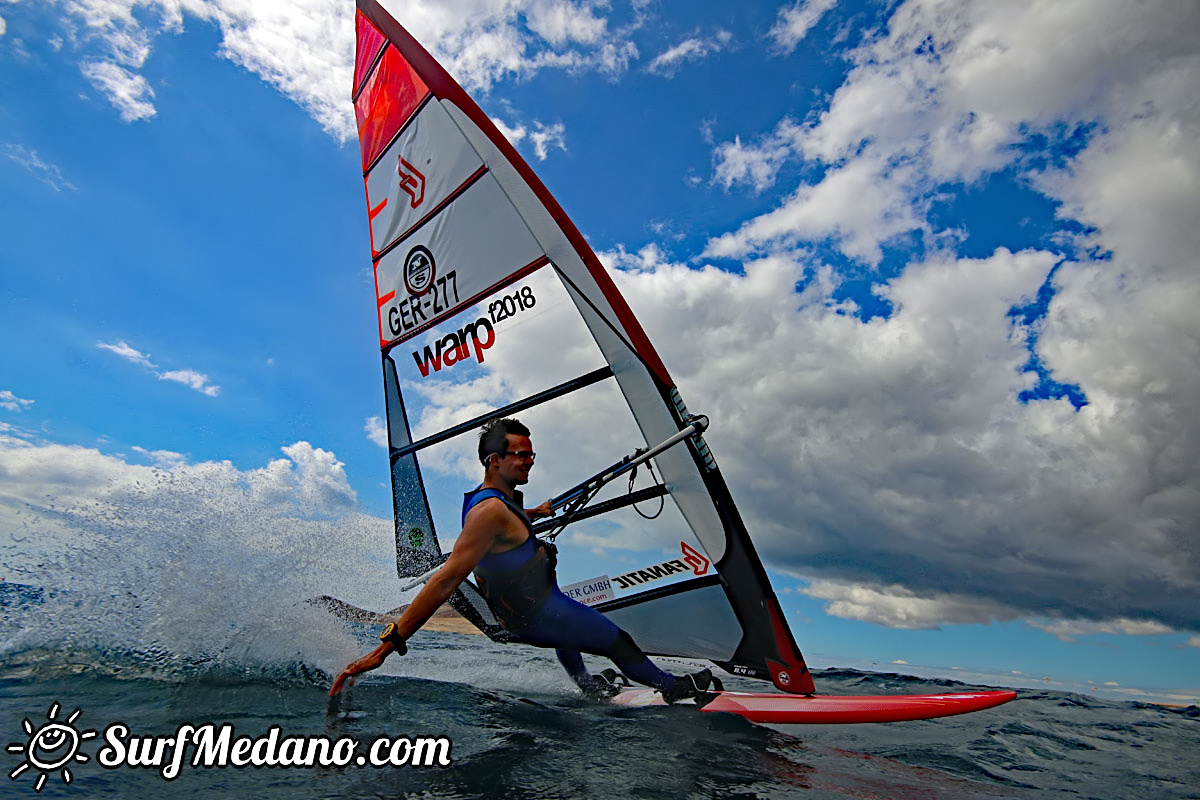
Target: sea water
513 727
136 620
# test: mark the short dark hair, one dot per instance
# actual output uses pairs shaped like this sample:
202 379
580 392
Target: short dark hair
494 437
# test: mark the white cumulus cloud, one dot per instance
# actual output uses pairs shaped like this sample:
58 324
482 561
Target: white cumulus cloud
304 48
376 431
124 350
11 402
892 462
191 379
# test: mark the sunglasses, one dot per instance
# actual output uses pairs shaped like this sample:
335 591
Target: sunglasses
520 454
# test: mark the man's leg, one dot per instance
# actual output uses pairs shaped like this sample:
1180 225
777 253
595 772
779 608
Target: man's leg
630 659
572 662
625 653
571 628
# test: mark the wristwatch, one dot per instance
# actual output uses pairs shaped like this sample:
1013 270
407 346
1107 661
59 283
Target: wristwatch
390 635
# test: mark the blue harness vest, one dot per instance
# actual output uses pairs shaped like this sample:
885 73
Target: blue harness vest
517 582
522 592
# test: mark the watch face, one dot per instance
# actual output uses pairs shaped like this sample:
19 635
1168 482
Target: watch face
391 626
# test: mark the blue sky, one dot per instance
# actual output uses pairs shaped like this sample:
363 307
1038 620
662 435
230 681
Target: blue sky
930 268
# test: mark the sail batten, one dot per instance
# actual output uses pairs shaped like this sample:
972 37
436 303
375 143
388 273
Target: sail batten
398 316
475 423
490 302
433 212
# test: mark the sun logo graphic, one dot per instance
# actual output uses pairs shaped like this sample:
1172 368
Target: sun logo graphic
51 747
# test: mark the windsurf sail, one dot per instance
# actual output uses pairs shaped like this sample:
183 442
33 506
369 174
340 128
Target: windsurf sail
490 303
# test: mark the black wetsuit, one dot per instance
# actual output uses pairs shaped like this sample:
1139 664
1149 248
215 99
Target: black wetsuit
522 591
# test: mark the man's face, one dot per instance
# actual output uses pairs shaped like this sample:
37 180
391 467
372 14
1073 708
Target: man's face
516 468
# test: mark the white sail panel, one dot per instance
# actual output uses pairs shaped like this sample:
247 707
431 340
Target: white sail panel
428 162
467 250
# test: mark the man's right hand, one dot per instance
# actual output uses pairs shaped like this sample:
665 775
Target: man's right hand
370 661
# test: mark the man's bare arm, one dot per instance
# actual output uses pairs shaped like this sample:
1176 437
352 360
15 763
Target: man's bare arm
472 545
483 523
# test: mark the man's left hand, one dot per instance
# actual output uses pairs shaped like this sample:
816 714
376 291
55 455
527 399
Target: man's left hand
544 510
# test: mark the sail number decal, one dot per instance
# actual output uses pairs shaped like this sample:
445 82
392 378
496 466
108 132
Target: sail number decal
429 294
416 309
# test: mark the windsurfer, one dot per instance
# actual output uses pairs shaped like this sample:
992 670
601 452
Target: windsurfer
516 573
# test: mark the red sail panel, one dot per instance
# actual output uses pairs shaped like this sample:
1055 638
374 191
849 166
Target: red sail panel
370 41
389 97
446 88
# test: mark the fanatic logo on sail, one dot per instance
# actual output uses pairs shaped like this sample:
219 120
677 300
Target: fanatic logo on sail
692 560
412 182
